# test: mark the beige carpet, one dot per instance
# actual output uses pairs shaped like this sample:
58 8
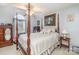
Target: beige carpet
63 51
11 50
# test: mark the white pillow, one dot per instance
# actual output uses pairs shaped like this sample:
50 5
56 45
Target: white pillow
53 29
49 31
44 31
50 28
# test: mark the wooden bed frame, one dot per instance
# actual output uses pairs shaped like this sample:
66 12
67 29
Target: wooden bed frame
28 52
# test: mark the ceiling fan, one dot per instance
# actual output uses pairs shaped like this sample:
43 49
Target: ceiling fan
24 6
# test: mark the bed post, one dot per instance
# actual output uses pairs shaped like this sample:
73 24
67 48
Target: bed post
28 32
58 25
58 30
16 32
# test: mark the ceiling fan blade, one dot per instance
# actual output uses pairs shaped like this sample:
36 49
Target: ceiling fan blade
23 6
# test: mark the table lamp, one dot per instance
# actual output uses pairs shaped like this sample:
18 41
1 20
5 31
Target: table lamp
64 33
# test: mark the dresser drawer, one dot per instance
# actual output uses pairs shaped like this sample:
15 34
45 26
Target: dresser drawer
1 36
5 43
1 30
1 39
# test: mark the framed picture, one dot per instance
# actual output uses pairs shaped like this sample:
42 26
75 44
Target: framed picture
50 20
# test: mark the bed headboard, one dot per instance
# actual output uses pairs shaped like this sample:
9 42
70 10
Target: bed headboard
50 22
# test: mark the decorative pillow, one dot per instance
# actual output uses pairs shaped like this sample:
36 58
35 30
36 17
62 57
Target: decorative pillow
43 31
53 29
48 30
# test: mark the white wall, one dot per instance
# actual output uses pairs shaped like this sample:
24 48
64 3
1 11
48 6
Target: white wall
34 18
73 26
7 13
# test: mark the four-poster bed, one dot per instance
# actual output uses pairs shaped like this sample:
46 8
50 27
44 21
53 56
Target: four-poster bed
36 43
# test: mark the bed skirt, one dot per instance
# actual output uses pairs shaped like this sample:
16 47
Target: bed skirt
48 51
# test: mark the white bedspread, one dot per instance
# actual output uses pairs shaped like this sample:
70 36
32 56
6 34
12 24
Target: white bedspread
39 42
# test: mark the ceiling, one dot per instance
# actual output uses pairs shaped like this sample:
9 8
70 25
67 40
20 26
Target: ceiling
53 7
43 7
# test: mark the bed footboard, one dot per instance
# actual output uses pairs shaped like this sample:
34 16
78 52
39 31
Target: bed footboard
21 48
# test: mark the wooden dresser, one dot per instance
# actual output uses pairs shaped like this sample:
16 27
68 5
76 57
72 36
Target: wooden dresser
3 41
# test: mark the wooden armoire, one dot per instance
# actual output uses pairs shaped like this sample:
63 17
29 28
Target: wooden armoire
6 35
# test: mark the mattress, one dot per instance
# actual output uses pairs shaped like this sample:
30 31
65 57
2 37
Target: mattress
39 42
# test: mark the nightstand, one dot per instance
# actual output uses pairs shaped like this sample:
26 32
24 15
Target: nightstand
64 42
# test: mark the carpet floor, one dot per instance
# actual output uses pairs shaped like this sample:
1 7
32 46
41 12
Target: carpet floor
11 50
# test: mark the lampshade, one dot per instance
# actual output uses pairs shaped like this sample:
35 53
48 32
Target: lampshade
64 32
